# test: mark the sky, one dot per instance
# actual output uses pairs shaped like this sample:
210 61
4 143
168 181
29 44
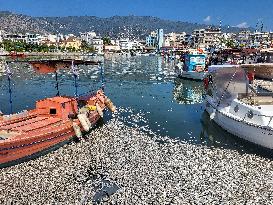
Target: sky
241 13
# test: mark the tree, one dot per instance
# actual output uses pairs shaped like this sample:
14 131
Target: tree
106 40
86 47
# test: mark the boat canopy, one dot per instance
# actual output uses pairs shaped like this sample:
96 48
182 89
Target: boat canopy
229 81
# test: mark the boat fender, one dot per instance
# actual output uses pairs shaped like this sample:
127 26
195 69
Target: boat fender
99 109
77 130
110 105
88 121
212 115
83 120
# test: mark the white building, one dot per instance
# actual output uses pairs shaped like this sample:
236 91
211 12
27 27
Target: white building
88 36
2 33
97 43
205 38
52 38
124 44
15 37
175 39
32 38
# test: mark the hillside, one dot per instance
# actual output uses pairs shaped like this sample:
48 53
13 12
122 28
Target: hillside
116 26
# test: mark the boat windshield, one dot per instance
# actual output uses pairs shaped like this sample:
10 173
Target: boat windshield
228 82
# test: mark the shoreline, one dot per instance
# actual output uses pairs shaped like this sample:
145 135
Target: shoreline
140 170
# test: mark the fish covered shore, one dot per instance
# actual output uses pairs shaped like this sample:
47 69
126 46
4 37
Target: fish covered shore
126 164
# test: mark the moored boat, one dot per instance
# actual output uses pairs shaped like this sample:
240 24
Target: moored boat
193 67
53 121
237 107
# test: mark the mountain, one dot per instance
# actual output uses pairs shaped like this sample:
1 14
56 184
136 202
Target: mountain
116 26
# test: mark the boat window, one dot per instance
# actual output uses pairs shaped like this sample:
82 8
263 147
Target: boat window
236 108
63 105
250 114
52 111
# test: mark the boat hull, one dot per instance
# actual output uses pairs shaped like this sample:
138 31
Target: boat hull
18 150
259 135
193 75
53 121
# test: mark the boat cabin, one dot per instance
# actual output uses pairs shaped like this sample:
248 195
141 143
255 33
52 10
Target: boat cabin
195 62
60 107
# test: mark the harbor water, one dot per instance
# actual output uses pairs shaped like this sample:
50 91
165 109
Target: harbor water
146 84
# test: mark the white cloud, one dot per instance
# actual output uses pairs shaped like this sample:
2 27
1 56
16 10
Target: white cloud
242 25
207 19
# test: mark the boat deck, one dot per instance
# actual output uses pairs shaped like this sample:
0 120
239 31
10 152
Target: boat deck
26 125
258 100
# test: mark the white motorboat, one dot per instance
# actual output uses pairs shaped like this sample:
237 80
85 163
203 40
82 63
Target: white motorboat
237 107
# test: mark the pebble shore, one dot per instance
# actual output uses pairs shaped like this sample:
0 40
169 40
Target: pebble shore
121 164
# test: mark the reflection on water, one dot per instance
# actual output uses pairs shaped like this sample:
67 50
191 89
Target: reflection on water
188 91
146 84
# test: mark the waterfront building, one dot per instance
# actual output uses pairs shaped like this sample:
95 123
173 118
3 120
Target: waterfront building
1 35
197 37
205 38
151 39
97 43
124 44
111 48
175 39
243 39
15 37
92 39
160 39
71 43
52 38
261 39
88 36
32 38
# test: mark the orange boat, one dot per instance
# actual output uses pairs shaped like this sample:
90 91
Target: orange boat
53 122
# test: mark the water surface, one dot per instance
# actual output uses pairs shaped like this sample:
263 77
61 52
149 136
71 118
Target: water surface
147 84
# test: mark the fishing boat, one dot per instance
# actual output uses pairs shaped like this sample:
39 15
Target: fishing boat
236 106
193 67
53 121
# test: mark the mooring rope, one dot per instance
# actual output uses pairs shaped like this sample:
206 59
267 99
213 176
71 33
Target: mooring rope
102 75
76 75
9 85
57 83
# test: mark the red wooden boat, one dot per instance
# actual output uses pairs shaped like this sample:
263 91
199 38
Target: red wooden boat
53 121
